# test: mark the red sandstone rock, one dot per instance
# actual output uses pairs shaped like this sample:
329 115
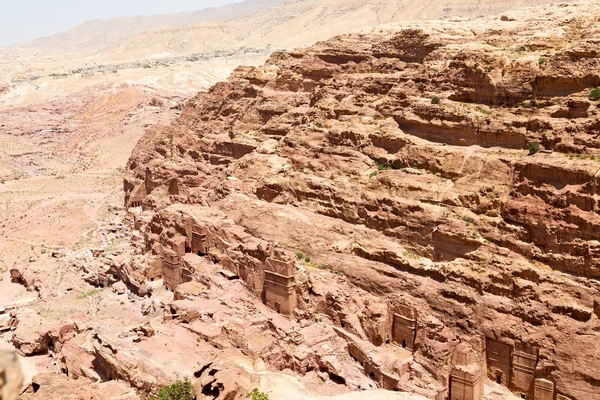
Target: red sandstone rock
443 225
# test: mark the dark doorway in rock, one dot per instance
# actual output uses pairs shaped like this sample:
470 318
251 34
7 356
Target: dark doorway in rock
211 391
188 249
404 344
337 379
499 379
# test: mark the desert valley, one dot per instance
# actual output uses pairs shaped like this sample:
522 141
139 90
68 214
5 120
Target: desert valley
302 199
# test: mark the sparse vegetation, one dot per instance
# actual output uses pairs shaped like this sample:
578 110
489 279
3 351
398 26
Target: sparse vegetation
527 104
299 255
435 100
412 255
542 60
307 259
595 94
383 167
180 390
371 175
589 157
89 294
258 395
534 147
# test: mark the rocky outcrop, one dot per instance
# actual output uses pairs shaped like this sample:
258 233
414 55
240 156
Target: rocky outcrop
447 175
51 386
35 335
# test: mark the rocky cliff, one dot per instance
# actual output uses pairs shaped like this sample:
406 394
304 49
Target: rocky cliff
443 174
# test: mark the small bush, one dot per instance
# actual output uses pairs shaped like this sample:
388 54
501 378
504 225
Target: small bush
373 174
299 255
89 294
258 395
307 259
527 104
435 100
595 94
180 390
534 147
542 60
382 167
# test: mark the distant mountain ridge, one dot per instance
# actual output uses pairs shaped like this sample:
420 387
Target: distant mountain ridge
97 34
255 23
301 23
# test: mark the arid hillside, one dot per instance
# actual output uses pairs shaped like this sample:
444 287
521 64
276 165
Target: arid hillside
301 23
405 212
97 34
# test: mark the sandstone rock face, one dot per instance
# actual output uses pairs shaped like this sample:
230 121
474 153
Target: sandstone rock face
50 386
447 178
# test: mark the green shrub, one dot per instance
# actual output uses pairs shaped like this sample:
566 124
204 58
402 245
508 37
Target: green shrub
542 60
299 255
435 100
258 395
180 390
307 259
595 94
382 167
527 104
89 294
534 147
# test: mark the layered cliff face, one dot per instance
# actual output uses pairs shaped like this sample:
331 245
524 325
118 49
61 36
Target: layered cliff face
449 170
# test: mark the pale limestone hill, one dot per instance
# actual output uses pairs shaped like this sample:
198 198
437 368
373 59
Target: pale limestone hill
301 23
97 34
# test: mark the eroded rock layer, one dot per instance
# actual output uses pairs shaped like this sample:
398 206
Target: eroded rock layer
448 170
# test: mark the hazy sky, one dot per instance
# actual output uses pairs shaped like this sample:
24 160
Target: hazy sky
23 20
